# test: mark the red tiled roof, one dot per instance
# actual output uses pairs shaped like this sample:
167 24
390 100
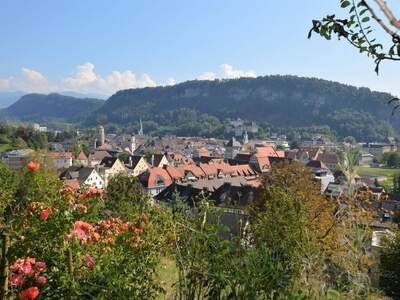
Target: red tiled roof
209 169
155 174
267 151
203 152
59 155
197 171
175 173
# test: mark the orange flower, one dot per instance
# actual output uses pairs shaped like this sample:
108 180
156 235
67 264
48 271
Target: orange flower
29 293
33 166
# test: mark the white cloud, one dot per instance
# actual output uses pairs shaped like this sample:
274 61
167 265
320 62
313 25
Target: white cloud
170 81
84 80
227 71
207 76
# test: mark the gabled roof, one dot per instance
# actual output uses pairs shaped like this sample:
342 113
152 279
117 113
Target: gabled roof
99 155
157 159
133 161
76 173
317 164
108 162
81 156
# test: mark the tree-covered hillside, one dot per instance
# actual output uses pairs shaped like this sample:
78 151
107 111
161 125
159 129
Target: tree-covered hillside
280 101
41 108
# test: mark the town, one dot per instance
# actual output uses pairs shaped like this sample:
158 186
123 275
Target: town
217 169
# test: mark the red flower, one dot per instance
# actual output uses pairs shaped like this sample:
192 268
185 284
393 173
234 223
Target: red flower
44 215
41 280
29 293
17 280
33 166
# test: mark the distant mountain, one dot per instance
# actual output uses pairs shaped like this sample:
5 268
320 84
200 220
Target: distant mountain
8 98
281 101
52 107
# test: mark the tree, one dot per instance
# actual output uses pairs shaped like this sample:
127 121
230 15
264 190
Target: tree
390 265
357 29
125 196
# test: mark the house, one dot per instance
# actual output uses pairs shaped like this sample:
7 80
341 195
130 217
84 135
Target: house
158 160
81 159
329 159
136 165
61 160
377 149
155 180
260 159
321 173
366 159
232 148
78 176
109 167
230 197
97 156
16 159
201 152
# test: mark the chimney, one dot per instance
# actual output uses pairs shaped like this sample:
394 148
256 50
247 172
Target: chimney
130 161
152 160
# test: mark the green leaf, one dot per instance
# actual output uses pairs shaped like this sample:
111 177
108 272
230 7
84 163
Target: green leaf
345 4
365 19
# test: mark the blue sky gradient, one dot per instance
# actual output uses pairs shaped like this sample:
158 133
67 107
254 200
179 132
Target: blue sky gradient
173 41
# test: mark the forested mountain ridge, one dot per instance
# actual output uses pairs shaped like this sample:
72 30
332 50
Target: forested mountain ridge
281 101
41 108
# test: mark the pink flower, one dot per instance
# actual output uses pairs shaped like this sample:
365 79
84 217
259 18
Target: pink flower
44 215
26 268
33 166
89 261
17 280
69 237
41 280
29 293
16 266
40 266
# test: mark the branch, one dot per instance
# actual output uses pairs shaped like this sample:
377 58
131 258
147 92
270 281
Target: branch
380 21
388 13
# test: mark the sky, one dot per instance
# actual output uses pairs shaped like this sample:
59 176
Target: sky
100 47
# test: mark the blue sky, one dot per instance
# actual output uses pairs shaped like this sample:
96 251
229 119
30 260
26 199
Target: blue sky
100 46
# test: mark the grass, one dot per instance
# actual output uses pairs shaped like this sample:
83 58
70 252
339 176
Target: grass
168 276
388 172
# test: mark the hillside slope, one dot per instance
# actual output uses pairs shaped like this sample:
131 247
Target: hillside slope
281 101
41 108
